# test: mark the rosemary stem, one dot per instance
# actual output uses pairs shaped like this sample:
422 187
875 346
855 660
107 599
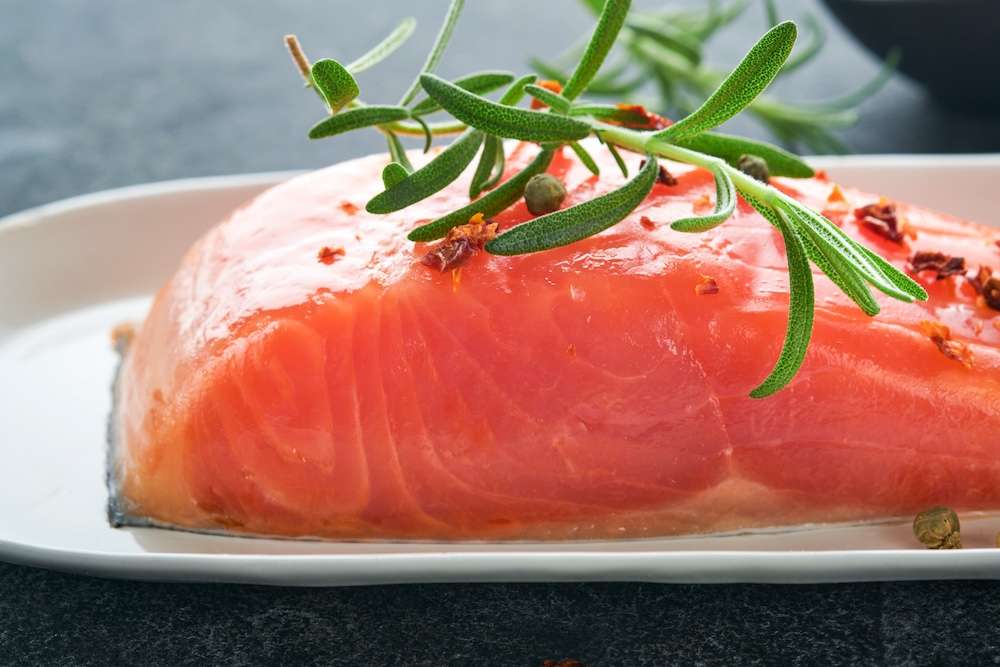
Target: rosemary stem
640 142
298 57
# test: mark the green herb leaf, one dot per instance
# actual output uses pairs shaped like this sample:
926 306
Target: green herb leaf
577 222
771 9
894 275
489 204
443 37
754 73
548 70
855 98
618 158
397 152
515 93
558 103
836 269
431 178
669 35
478 83
779 161
353 119
501 120
586 158
725 205
393 174
490 167
835 238
800 314
428 135
385 48
334 83
608 26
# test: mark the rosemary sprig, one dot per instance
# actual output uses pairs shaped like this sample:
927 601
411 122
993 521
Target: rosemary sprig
809 238
668 47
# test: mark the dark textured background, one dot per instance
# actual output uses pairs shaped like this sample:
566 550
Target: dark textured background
106 93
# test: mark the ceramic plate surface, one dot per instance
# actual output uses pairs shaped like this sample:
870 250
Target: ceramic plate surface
72 270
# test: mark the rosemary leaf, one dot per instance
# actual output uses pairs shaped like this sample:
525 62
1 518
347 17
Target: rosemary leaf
489 204
385 48
501 120
515 93
667 34
397 152
334 83
443 37
608 25
489 170
393 174
842 274
556 101
858 96
894 275
352 119
479 83
800 314
428 135
754 73
585 158
725 206
431 178
618 158
577 222
779 161
608 112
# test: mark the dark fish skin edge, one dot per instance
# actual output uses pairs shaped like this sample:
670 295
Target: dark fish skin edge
118 515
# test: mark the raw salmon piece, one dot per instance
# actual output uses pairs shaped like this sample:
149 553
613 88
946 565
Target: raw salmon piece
591 391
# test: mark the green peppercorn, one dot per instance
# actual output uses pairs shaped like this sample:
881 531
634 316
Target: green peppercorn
938 528
754 167
543 194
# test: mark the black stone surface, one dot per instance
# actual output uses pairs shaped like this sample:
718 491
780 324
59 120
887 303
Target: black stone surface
106 93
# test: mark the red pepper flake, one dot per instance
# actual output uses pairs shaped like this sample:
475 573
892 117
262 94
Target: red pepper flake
456 278
328 255
821 175
943 265
836 196
987 286
702 204
571 350
663 177
977 325
647 224
706 286
461 243
882 219
547 84
940 335
637 117
348 208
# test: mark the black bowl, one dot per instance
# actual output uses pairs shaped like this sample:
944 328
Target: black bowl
950 46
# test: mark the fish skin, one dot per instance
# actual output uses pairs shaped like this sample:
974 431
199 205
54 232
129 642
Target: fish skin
584 392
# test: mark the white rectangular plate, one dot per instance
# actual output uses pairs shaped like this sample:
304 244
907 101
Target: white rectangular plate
72 270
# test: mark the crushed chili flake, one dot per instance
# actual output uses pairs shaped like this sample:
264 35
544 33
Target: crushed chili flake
821 175
987 286
571 350
461 243
456 278
547 84
940 335
328 255
882 219
702 204
943 265
977 326
348 208
647 223
836 195
706 286
663 177
637 117
122 335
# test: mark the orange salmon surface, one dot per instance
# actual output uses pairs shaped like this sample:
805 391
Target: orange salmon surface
305 374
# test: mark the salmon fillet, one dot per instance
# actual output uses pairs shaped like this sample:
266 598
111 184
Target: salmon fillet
596 390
